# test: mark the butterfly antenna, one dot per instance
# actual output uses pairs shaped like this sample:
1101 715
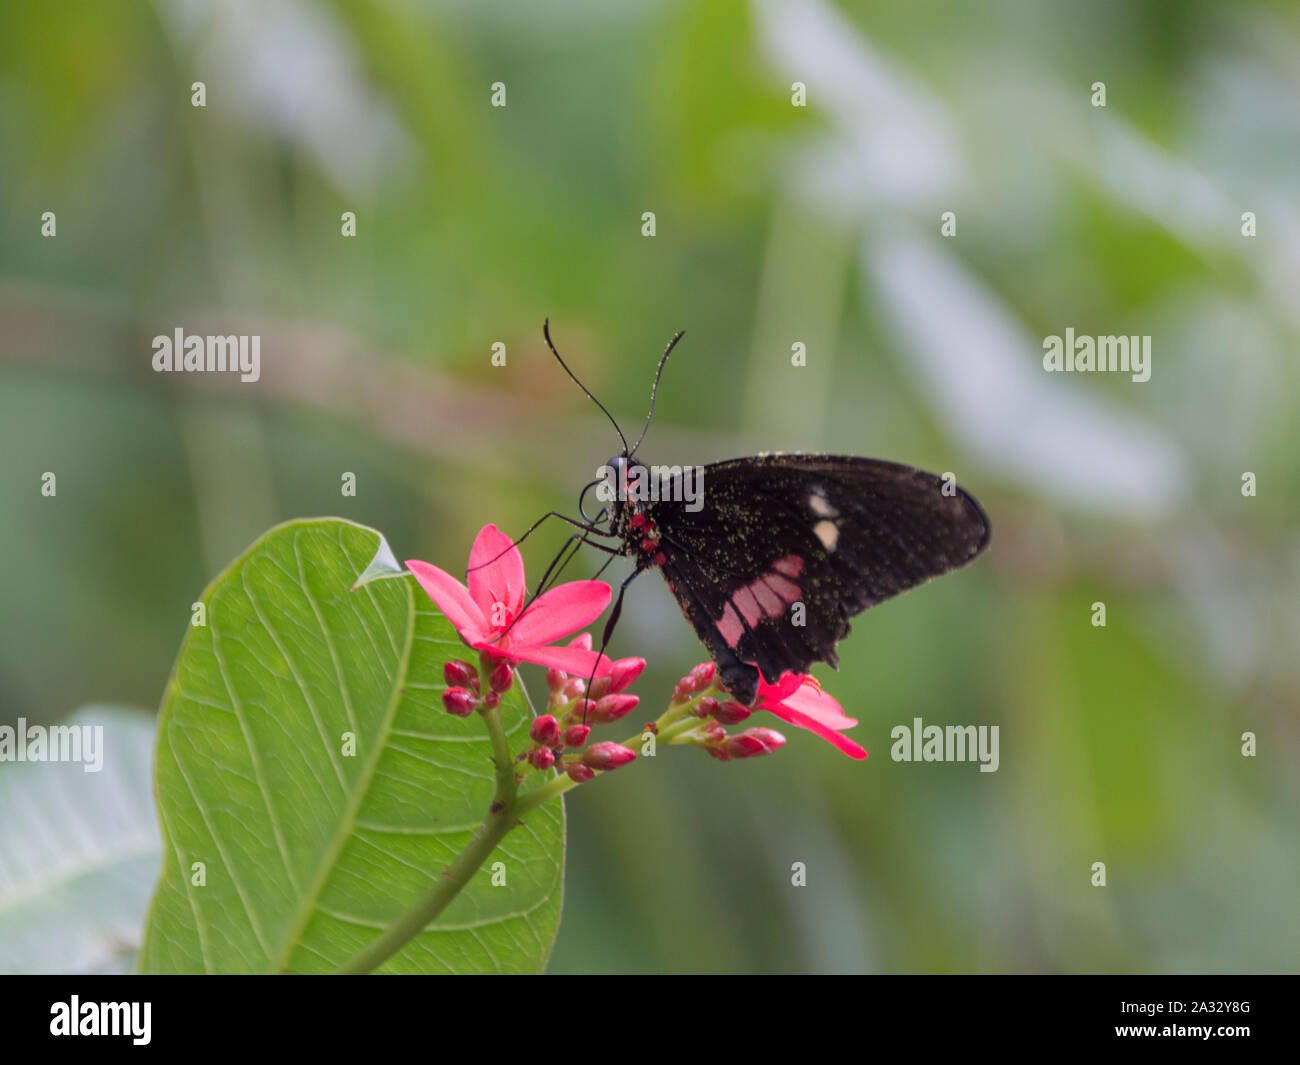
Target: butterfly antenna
654 392
546 332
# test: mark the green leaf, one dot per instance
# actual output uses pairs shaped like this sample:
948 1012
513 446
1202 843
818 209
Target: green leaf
307 852
79 851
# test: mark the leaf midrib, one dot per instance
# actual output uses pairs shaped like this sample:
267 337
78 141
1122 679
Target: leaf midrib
307 904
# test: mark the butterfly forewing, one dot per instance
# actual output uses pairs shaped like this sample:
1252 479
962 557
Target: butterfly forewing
787 548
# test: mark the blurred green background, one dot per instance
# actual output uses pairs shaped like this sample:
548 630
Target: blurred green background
775 225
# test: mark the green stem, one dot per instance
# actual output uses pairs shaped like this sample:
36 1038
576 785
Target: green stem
502 816
506 810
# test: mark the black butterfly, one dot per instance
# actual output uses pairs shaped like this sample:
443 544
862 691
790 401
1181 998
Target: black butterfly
775 553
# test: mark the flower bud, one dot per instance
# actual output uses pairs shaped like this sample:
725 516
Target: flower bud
753 742
714 732
613 707
457 673
502 677
545 730
600 687
607 755
576 735
702 675
624 672
491 701
731 713
707 707
574 687
555 679
541 757
579 773
459 701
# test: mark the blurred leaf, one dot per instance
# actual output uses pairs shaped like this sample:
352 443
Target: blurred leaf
79 852
309 852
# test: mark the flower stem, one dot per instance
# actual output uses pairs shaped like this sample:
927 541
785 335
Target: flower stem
502 816
506 810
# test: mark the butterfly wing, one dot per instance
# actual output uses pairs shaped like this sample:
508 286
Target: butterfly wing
786 548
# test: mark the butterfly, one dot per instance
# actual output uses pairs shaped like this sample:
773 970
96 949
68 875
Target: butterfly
770 556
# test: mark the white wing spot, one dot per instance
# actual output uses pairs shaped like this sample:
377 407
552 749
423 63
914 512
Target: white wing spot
819 505
828 533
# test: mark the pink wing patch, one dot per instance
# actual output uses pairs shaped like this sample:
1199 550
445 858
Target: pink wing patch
766 597
791 565
730 627
786 589
747 603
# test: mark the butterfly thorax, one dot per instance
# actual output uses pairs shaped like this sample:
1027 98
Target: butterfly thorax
631 519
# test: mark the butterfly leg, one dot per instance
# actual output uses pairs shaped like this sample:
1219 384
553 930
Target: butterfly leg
584 526
576 541
609 627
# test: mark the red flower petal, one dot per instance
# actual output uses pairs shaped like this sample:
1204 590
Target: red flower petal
808 698
452 598
561 610
799 699
787 684
817 728
573 660
496 575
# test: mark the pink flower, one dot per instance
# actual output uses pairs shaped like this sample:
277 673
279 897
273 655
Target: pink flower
799 699
487 613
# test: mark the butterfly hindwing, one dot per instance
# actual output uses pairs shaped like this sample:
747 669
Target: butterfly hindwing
786 548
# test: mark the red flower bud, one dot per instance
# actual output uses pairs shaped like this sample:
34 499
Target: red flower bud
574 687
457 673
581 709
541 757
714 732
702 675
459 701
624 672
576 735
579 773
731 713
555 679
502 677
613 707
473 682
545 730
719 754
600 687
491 700
707 707
753 742
607 755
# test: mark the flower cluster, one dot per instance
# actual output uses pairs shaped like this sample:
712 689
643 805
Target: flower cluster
491 616
796 698
463 694
559 736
